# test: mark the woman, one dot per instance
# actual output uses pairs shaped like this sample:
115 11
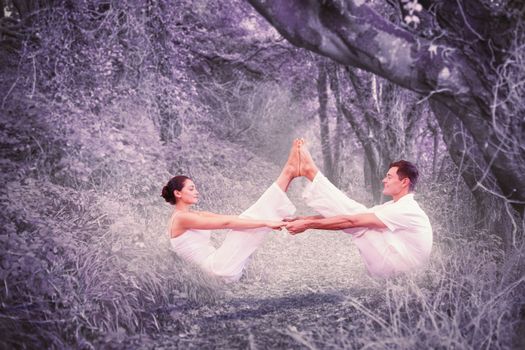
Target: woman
189 230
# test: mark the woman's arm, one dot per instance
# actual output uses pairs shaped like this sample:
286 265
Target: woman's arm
209 214
210 222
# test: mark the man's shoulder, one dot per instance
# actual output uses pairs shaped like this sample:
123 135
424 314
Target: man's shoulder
404 205
413 206
409 200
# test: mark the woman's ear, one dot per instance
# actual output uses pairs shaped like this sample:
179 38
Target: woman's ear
177 194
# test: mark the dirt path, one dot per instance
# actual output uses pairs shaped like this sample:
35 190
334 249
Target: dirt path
295 289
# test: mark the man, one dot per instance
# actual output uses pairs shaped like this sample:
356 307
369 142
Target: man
392 237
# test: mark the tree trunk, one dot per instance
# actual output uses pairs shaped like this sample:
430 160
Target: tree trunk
371 154
491 214
169 121
435 144
367 173
332 71
27 7
370 127
326 147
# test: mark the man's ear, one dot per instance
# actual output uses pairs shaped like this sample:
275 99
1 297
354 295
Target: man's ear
406 181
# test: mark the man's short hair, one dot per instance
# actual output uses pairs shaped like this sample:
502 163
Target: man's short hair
406 169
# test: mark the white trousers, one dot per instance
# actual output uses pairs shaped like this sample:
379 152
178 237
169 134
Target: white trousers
229 260
377 247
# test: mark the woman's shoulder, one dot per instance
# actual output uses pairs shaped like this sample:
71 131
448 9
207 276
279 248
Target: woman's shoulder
179 222
187 219
184 222
191 214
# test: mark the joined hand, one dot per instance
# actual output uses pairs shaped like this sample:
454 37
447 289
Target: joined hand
296 226
276 225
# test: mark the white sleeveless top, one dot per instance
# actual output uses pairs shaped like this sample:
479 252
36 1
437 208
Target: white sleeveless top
193 245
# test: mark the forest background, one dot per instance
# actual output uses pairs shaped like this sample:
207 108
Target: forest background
101 102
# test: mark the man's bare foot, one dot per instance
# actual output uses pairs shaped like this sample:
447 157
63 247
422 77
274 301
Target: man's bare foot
307 167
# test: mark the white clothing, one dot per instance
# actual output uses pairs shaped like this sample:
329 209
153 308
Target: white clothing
404 245
229 260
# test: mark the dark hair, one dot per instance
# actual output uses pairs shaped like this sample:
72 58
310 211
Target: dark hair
406 169
175 184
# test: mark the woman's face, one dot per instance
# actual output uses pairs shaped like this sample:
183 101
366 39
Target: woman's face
188 194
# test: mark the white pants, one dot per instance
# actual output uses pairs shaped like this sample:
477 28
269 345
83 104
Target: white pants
229 260
322 196
376 246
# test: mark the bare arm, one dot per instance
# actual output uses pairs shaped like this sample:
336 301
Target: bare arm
303 218
209 214
339 222
209 222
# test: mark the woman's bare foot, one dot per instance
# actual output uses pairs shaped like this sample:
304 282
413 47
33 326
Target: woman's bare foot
300 143
291 168
307 167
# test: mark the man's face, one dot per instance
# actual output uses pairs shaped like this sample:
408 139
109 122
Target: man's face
392 184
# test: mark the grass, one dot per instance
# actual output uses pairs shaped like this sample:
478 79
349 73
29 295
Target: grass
94 269
86 263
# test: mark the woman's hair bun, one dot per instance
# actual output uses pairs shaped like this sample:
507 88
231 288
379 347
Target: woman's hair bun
167 195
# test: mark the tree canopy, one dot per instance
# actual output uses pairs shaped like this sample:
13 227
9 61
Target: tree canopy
465 57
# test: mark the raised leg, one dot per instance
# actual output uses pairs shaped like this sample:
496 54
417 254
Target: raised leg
229 260
321 194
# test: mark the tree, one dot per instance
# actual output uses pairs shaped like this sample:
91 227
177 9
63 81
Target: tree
466 58
324 126
384 118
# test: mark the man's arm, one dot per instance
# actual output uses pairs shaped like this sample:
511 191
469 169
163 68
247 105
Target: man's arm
295 218
339 222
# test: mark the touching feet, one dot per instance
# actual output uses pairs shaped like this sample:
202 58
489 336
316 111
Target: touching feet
299 163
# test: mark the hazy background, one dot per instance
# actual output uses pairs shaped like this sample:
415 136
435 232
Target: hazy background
101 102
